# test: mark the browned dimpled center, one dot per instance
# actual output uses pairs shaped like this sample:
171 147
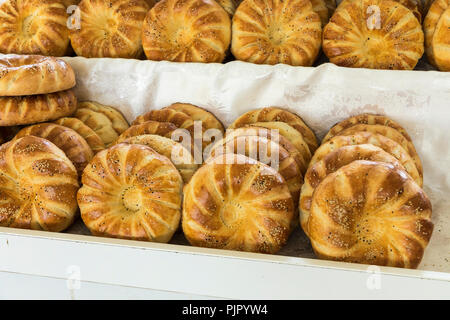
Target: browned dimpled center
182 36
370 229
131 199
276 34
107 25
374 45
111 23
230 213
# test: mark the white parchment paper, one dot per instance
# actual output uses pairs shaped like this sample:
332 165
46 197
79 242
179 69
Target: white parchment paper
322 96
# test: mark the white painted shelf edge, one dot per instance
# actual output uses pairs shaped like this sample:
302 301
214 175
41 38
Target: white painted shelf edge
207 272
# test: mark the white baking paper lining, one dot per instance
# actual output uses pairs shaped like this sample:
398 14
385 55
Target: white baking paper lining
322 96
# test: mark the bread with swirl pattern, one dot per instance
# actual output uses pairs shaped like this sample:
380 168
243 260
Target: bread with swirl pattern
370 212
131 192
38 185
271 32
237 203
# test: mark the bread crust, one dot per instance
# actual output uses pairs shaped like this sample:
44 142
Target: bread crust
208 119
106 121
375 124
273 136
109 29
365 118
68 3
289 133
131 192
375 34
324 9
364 137
23 110
392 134
93 140
150 3
236 203
441 42
181 158
266 151
331 163
270 114
413 5
182 121
33 27
38 185
186 31
164 129
178 118
23 75
228 5
370 212
68 140
437 9
271 32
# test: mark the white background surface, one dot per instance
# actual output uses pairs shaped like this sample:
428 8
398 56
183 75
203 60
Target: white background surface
170 271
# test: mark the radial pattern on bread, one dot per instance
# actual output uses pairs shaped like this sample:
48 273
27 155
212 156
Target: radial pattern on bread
209 121
129 191
378 140
36 108
186 31
237 203
441 42
274 136
370 212
392 134
33 27
178 118
106 121
38 185
331 163
179 155
266 151
413 5
271 32
365 118
164 129
437 37
183 121
375 34
68 140
210 128
22 75
271 114
93 140
109 28
289 133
